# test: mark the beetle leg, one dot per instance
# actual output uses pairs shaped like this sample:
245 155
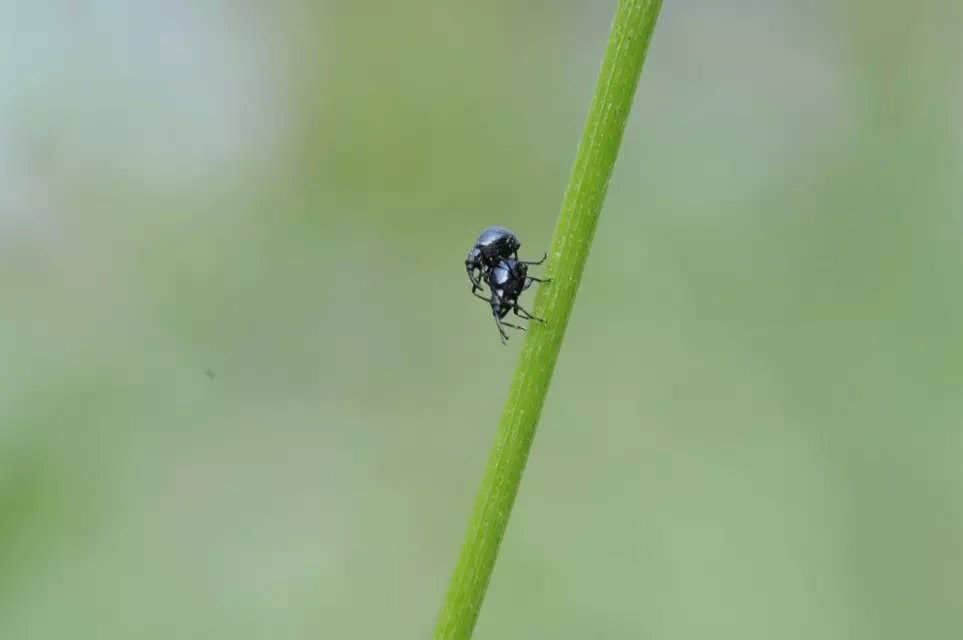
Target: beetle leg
529 280
501 331
539 262
478 295
525 314
475 279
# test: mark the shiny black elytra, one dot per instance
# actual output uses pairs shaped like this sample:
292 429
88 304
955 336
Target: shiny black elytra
493 245
508 279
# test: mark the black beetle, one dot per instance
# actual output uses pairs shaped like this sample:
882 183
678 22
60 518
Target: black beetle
493 245
508 279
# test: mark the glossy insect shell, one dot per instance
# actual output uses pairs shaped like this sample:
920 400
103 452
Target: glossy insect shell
496 243
492 245
507 279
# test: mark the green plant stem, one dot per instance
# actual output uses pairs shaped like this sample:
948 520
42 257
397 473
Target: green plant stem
628 42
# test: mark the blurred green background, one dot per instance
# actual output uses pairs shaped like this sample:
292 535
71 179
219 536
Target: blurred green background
754 430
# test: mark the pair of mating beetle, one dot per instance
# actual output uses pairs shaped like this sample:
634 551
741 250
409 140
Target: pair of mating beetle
494 260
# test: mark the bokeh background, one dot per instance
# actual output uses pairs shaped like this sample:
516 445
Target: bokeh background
754 430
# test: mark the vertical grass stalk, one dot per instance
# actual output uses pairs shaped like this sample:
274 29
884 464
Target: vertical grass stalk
621 68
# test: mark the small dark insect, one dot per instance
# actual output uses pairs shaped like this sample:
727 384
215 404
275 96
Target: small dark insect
209 373
494 244
508 279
